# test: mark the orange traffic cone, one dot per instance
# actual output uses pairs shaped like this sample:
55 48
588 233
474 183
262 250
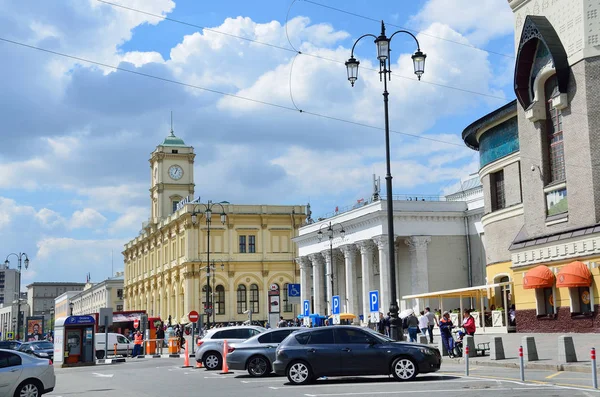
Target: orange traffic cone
186 359
225 349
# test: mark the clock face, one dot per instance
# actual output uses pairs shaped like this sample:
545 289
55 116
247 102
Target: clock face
175 172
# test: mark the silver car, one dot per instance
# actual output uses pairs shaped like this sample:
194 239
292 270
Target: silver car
23 374
209 350
257 353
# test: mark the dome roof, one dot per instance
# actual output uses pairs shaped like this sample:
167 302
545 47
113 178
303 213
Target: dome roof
172 140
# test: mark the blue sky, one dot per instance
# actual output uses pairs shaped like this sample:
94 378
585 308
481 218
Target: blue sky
77 137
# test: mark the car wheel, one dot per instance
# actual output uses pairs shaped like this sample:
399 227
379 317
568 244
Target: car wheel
404 369
212 361
99 354
29 388
299 373
258 366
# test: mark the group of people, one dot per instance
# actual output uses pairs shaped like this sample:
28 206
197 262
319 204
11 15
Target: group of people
446 326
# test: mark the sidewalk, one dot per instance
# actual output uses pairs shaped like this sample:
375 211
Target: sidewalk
547 349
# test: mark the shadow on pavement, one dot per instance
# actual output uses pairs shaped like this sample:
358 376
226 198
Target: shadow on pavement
247 376
350 380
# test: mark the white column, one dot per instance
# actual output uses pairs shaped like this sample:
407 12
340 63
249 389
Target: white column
305 270
328 278
419 268
350 252
318 266
366 261
384 272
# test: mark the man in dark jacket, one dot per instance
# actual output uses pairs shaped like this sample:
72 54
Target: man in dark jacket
446 333
160 336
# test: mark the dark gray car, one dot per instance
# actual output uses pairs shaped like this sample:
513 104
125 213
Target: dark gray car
351 351
257 353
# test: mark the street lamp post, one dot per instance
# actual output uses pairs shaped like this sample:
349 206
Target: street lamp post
385 73
331 230
20 261
209 268
206 212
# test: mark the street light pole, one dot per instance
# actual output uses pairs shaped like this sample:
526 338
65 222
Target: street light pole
207 214
20 257
385 73
330 235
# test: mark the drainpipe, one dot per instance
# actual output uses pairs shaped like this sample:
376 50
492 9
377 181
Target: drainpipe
469 264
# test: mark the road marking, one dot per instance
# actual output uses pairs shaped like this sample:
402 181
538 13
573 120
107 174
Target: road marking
424 391
391 382
96 374
553 375
262 381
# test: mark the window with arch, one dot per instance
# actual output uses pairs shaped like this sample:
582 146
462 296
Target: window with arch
254 305
220 299
242 301
287 306
203 297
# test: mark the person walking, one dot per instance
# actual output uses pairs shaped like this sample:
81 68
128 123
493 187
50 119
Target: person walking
282 323
137 344
381 324
412 323
446 333
160 338
432 323
423 323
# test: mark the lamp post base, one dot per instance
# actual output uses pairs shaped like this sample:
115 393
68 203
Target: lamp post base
396 332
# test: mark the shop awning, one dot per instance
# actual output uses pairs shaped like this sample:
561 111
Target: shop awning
538 277
575 274
468 292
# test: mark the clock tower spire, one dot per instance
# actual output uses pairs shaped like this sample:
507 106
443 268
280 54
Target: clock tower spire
172 175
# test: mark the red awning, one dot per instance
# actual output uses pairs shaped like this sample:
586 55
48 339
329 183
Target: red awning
575 274
538 277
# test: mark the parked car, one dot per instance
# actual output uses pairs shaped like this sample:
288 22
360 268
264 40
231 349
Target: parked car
256 355
351 351
209 350
124 345
10 344
23 374
40 348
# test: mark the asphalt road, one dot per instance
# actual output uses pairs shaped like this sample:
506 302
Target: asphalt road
165 377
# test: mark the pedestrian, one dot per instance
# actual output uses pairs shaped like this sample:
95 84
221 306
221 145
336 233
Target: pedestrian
432 323
282 323
413 326
423 323
160 338
468 323
446 333
387 323
137 344
381 324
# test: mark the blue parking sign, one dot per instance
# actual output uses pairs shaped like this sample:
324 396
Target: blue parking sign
293 290
306 307
373 301
335 308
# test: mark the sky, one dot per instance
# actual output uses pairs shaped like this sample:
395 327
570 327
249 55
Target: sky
77 135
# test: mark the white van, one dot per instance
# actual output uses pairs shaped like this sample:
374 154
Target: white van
124 345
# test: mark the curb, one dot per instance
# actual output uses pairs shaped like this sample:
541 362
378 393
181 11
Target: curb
172 355
528 365
110 361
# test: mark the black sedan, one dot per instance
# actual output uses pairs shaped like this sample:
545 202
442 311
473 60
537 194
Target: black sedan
351 351
42 349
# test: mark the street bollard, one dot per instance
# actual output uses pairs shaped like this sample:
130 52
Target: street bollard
115 350
467 360
594 370
521 365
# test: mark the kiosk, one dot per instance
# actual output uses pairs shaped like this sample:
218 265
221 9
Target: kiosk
74 341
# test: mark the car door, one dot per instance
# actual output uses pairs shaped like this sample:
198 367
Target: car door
123 345
360 353
10 372
322 353
271 340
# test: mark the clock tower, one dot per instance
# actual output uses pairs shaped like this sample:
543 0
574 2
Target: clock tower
172 176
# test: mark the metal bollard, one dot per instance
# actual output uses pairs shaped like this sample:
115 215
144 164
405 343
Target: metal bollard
115 350
467 360
521 365
594 370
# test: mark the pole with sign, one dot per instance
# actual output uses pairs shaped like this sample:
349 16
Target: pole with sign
306 312
374 305
193 316
106 318
335 309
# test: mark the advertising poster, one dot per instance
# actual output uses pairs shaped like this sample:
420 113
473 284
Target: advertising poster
35 328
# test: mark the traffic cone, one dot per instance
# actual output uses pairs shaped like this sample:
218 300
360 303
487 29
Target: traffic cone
186 359
225 367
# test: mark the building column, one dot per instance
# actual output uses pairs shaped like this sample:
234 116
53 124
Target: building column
350 252
384 272
305 269
419 268
318 282
366 255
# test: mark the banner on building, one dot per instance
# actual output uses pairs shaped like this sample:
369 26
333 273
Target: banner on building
34 328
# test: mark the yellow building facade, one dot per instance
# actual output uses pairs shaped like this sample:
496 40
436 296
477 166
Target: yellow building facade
252 252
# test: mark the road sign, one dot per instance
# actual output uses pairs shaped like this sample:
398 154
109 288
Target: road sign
10 335
207 311
193 316
374 317
306 308
336 319
293 291
136 323
335 308
105 317
374 301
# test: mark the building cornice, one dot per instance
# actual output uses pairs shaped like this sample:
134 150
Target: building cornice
499 164
557 251
500 215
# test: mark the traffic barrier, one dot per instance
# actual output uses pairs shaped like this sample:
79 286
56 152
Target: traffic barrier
225 349
467 360
594 370
423 339
530 350
442 347
521 365
497 349
469 342
186 358
566 350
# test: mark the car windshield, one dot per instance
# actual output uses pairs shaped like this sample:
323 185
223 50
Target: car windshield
42 346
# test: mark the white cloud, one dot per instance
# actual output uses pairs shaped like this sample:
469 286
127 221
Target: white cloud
86 218
130 222
49 218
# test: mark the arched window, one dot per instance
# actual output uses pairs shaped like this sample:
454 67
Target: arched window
254 305
220 299
287 307
242 302
554 129
203 296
